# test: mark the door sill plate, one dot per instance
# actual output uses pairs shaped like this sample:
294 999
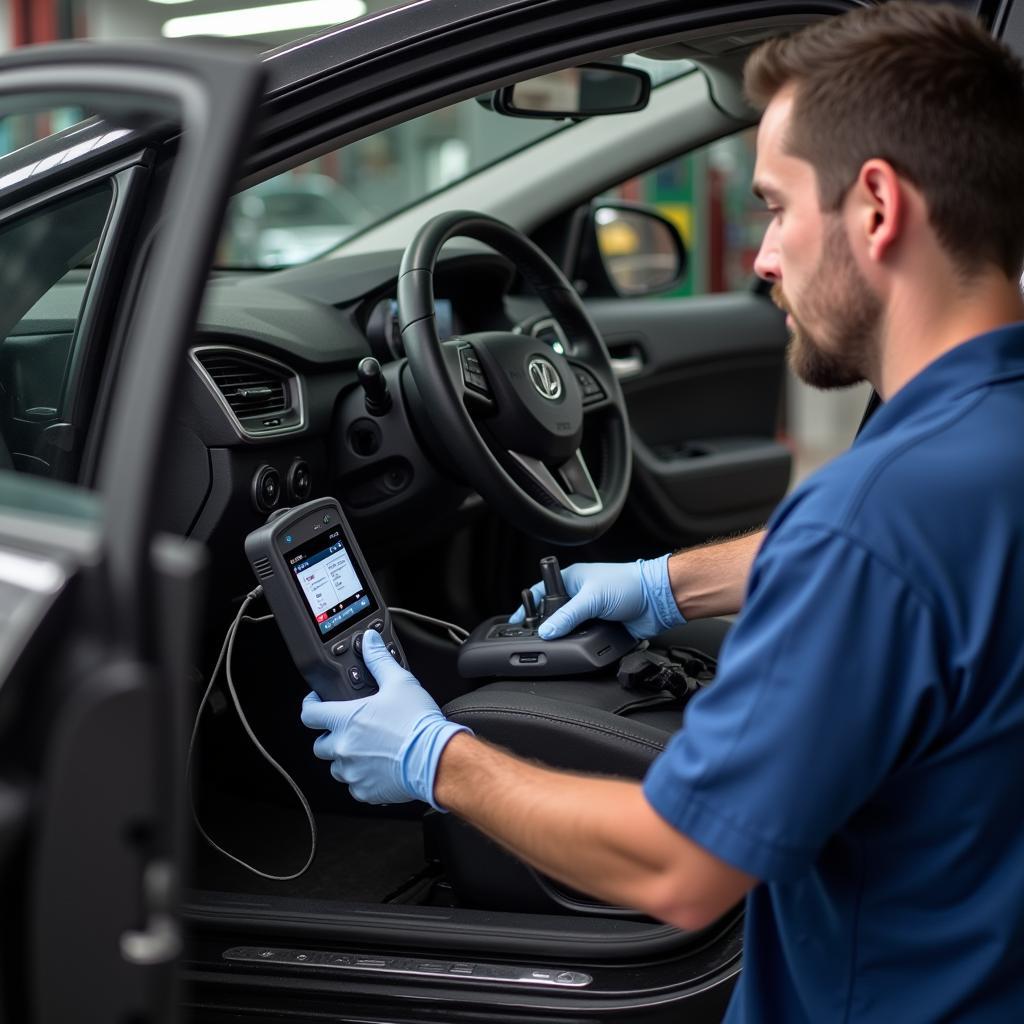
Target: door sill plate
554 977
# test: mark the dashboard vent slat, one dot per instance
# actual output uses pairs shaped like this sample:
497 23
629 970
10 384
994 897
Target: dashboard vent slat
253 389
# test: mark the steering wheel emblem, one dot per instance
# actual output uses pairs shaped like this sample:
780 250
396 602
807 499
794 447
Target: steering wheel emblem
544 378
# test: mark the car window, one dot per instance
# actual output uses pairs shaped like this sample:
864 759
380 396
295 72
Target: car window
706 194
45 264
21 129
306 212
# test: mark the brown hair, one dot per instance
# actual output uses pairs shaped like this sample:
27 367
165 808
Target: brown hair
926 88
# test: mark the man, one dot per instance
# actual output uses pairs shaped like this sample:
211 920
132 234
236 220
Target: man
855 770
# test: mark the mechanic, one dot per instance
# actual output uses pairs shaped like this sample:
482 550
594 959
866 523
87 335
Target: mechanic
855 770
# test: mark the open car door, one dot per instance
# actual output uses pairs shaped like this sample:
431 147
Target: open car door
97 613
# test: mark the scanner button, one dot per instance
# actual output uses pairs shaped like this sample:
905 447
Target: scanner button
378 625
355 677
393 651
339 648
357 644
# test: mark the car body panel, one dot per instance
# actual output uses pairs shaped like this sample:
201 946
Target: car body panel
92 711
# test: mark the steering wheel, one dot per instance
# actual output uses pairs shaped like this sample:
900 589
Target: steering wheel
509 410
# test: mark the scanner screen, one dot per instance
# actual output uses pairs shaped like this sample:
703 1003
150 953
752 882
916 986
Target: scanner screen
329 581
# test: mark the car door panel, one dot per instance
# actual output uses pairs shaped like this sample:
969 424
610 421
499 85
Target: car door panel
703 381
97 616
33 365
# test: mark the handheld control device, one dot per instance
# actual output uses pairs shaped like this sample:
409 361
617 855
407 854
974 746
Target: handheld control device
498 648
323 596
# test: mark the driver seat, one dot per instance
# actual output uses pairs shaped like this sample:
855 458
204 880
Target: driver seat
584 724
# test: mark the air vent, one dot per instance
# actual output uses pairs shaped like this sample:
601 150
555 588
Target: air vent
252 389
264 570
263 396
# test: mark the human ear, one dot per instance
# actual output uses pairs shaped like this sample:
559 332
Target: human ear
881 207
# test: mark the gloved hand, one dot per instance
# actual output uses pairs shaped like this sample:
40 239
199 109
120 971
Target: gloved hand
386 747
637 594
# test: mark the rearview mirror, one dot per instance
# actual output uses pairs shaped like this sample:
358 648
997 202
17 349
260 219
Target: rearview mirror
587 91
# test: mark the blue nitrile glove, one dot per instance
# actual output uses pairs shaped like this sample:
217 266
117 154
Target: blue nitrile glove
637 594
386 747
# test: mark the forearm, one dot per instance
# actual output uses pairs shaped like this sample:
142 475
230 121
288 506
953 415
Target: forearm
596 835
712 579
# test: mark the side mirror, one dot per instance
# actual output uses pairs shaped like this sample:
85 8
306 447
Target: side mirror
630 250
590 90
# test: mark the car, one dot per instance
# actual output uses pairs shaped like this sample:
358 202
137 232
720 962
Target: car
288 220
155 410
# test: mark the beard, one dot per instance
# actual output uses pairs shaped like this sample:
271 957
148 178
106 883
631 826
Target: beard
844 351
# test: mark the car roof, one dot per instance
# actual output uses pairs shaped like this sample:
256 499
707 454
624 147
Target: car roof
309 79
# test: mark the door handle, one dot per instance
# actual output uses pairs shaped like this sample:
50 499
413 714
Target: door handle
159 941
627 366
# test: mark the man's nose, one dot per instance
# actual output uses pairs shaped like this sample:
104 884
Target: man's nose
766 264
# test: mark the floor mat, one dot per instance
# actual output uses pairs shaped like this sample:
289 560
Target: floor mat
359 858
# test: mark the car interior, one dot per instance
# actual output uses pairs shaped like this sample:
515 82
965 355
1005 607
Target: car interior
674 442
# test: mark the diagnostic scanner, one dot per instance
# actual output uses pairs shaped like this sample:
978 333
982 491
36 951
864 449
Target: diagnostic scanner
323 596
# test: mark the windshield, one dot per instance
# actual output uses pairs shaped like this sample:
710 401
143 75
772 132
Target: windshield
310 210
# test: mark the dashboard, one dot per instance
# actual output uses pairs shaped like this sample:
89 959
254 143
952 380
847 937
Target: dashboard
272 413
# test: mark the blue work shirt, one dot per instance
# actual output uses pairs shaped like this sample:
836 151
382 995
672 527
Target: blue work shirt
862 749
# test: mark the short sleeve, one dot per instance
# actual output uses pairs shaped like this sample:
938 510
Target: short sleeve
831 675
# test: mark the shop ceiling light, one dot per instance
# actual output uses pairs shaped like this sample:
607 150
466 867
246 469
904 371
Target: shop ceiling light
256 21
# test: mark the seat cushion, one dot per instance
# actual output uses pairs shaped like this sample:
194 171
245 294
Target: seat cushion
585 724
581 725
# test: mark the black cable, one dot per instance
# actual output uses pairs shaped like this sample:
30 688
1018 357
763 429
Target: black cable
455 633
227 648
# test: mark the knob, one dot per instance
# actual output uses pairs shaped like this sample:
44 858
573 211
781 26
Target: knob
266 488
371 378
532 620
300 480
554 588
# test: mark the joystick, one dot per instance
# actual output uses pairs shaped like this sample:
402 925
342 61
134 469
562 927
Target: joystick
532 619
498 647
554 586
